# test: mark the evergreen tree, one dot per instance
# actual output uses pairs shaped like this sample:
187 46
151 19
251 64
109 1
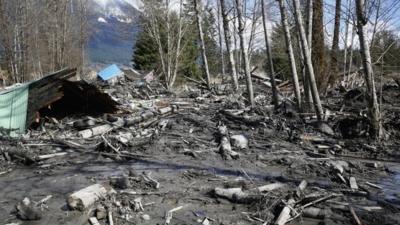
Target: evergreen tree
145 53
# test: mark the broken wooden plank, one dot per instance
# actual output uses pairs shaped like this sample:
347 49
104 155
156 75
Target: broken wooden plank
353 183
95 131
94 221
373 185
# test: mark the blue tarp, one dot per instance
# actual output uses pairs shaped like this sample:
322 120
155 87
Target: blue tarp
110 72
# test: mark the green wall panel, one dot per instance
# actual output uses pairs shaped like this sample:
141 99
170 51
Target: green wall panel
13 109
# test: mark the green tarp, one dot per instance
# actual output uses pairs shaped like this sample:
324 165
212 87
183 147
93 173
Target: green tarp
13 110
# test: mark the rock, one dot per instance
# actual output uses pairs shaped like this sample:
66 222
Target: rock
26 211
239 141
145 217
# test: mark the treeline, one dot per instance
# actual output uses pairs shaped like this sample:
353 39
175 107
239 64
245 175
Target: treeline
40 36
189 38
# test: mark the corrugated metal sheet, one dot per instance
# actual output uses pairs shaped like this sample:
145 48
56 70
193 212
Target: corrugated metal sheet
13 110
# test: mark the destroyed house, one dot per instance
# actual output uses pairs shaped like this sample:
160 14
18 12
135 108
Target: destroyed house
55 95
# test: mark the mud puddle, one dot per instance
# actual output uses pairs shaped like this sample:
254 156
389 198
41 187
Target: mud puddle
391 185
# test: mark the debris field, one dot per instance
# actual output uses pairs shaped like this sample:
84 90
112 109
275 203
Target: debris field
202 157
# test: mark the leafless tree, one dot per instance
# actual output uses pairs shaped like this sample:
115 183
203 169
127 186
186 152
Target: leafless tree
346 37
199 20
318 41
228 43
158 16
374 112
332 73
269 55
309 27
220 39
239 8
289 46
41 36
307 55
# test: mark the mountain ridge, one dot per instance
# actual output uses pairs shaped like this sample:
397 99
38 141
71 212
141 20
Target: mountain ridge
114 26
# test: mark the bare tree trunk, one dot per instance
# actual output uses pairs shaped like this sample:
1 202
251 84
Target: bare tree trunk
275 100
239 6
332 74
346 38
197 6
377 15
254 20
353 34
289 46
178 50
307 88
228 43
221 49
307 55
169 44
318 41
238 52
374 112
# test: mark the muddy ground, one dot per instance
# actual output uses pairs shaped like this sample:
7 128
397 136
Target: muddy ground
181 151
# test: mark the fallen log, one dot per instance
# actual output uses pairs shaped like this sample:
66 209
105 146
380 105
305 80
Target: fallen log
237 195
95 131
271 187
86 197
249 120
49 156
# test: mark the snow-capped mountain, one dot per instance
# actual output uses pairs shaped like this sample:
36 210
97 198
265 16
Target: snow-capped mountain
113 28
